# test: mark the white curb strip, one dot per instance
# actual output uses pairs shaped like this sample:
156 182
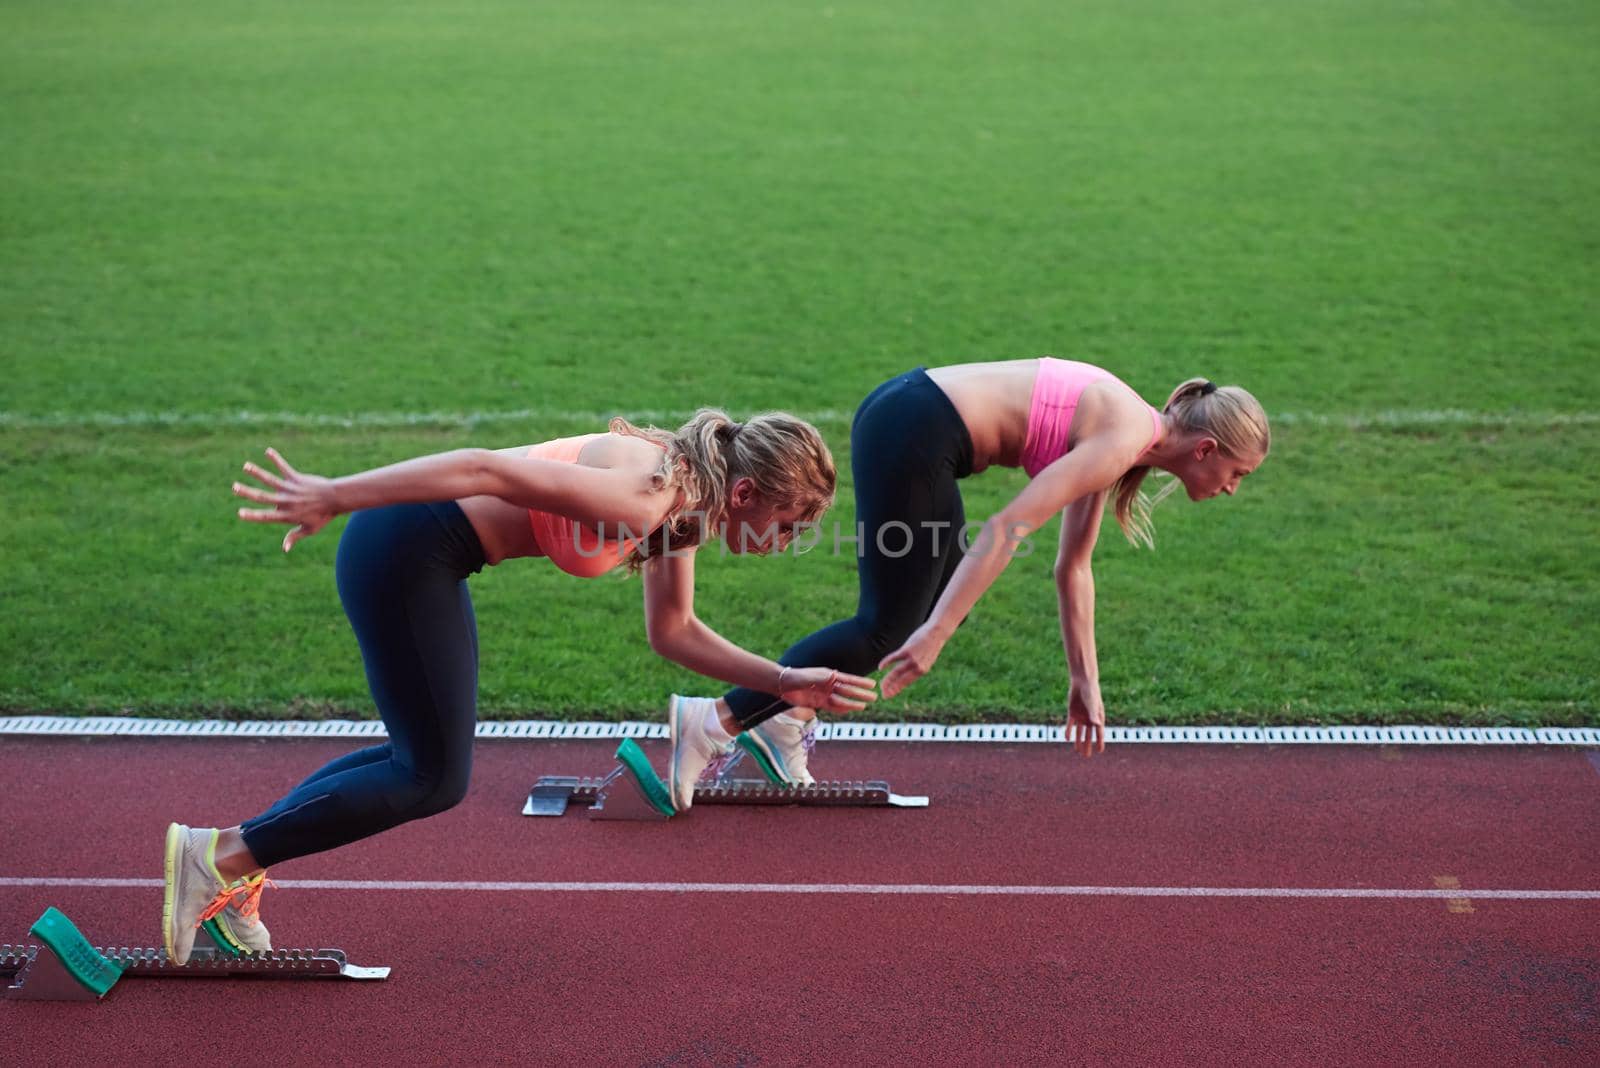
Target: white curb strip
130 727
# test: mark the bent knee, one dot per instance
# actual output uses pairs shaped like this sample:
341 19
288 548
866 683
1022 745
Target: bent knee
439 799
431 794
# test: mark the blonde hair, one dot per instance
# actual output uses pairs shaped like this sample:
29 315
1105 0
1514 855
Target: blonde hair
785 457
1228 413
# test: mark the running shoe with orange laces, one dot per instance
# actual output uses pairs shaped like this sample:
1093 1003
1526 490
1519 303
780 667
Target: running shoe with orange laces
239 921
196 893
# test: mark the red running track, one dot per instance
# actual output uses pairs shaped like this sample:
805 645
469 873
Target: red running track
726 978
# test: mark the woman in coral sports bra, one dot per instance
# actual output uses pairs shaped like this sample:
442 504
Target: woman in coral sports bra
1083 437
643 498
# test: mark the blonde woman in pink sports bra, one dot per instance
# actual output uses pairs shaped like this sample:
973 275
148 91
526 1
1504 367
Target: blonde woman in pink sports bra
1084 438
643 498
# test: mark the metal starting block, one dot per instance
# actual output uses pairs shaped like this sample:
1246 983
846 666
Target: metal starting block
633 791
67 968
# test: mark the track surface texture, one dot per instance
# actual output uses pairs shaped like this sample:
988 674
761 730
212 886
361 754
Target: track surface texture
777 976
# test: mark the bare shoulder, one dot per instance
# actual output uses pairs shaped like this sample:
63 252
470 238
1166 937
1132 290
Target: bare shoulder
621 452
1110 410
611 451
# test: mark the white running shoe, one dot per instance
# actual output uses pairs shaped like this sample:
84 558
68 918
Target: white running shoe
196 892
693 748
781 747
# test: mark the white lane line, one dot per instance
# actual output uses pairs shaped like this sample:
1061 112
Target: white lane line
1397 419
889 889
836 731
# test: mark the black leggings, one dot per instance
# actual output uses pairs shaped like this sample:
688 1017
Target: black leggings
908 447
402 578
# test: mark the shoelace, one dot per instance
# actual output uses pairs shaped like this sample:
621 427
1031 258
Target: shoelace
247 890
719 764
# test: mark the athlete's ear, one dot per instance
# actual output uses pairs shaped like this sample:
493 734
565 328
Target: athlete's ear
743 492
1204 447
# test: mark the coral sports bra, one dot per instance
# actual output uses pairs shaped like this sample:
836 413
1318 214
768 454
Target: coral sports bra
574 548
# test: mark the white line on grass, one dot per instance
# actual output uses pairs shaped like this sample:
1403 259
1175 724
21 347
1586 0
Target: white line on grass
532 418
871 889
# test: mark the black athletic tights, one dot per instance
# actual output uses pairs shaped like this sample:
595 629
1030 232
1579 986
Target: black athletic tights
908 447
402 578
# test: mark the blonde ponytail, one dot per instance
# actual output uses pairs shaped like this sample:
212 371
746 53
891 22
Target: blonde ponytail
785 457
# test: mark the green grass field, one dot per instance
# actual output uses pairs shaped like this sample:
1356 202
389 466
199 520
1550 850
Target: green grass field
224 226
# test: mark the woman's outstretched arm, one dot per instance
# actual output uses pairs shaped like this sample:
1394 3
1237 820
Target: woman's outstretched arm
592 495
1080 529
676 633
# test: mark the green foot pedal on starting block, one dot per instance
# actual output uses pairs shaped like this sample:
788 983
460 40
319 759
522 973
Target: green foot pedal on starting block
226 946
633 790
65 967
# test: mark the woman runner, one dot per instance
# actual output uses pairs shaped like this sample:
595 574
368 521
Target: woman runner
1083 437
418 529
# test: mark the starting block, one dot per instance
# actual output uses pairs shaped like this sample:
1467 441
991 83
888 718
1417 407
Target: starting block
65 967
633 791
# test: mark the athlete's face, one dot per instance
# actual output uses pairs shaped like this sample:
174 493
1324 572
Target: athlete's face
754 525
1208 469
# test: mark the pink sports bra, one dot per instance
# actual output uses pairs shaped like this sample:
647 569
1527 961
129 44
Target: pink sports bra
571 546
1056 390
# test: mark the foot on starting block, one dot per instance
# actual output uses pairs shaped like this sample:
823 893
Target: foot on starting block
633 791
67 968
225 945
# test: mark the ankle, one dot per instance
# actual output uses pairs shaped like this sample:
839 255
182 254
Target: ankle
726 718
234 861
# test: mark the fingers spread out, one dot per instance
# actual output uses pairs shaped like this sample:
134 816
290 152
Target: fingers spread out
250 493
261 473
283 465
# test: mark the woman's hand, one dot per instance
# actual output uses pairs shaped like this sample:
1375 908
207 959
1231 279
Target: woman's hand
823 688
912 660
1086 719
303 500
